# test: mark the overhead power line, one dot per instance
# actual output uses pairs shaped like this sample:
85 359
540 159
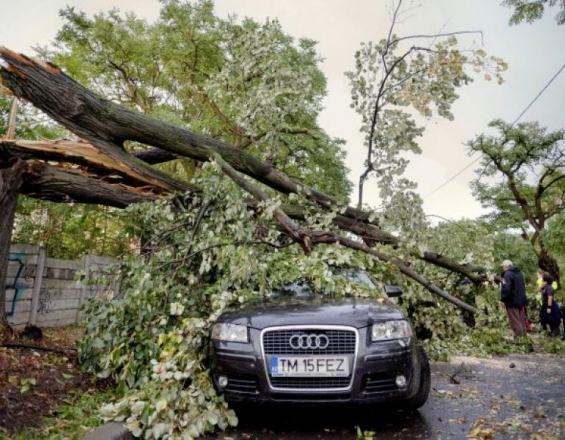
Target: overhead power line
539 94
475 160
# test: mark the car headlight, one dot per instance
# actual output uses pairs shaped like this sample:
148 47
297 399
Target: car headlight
229 332
390 330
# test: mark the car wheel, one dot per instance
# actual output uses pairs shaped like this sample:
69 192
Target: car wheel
421 396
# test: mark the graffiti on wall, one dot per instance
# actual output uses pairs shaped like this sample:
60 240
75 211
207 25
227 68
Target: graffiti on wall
44 304
17 285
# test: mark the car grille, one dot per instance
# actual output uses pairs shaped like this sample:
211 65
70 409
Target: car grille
277 342
310 382
379 383
341 342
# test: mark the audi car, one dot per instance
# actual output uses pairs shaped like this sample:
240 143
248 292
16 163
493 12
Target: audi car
297 346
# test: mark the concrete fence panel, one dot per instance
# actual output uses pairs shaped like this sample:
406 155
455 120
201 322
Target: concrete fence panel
49 292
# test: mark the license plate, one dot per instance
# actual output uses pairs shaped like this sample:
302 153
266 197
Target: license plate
310 366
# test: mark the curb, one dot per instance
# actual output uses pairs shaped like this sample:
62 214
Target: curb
110 431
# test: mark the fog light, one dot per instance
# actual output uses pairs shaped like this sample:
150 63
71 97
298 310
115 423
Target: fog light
400 381
222 381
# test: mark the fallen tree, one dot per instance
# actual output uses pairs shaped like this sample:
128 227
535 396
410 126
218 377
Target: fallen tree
123 178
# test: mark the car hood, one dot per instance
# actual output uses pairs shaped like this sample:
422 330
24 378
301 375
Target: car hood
355 312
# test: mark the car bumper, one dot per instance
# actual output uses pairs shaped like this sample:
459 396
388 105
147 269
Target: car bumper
373 380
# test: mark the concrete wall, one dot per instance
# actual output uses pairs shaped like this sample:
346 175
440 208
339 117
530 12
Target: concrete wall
48 292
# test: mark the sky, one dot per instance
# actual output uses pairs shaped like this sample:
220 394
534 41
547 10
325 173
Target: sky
534 53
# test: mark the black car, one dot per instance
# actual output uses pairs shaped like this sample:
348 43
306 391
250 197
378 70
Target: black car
298 347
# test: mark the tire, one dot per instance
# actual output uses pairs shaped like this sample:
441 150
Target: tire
421 396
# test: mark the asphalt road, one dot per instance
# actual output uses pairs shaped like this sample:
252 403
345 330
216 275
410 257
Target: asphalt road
515 397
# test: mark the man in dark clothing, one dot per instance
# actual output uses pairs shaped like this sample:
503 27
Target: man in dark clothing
513 295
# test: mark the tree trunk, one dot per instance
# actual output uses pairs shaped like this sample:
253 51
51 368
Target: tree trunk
549 264
10 183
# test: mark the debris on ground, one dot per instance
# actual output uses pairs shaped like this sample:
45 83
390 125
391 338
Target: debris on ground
33 382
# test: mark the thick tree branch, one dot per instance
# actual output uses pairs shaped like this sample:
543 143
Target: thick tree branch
470 271
43 84
155 156
369 233
83 153
46 182
107 125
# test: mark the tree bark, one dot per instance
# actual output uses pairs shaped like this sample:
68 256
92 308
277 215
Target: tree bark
369 233
91 160
155 156
88 155
11 178
46 182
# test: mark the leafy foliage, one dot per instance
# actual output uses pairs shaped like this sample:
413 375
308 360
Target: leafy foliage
554 236
512 247
530 11
30 123
69 231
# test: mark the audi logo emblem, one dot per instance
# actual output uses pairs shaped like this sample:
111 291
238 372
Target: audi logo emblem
305 342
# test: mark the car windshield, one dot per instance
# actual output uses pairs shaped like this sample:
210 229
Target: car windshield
301 289
358 276
298 289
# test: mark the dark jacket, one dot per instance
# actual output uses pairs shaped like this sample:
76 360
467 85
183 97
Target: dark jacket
513 290
554 317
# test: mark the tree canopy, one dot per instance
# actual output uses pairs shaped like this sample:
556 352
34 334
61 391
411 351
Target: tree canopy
528 164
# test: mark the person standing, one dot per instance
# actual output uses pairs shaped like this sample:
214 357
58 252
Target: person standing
513 296
550 314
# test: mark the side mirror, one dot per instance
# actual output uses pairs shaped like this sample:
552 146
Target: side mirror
393 291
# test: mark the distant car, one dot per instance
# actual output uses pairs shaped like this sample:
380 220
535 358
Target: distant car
297 347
